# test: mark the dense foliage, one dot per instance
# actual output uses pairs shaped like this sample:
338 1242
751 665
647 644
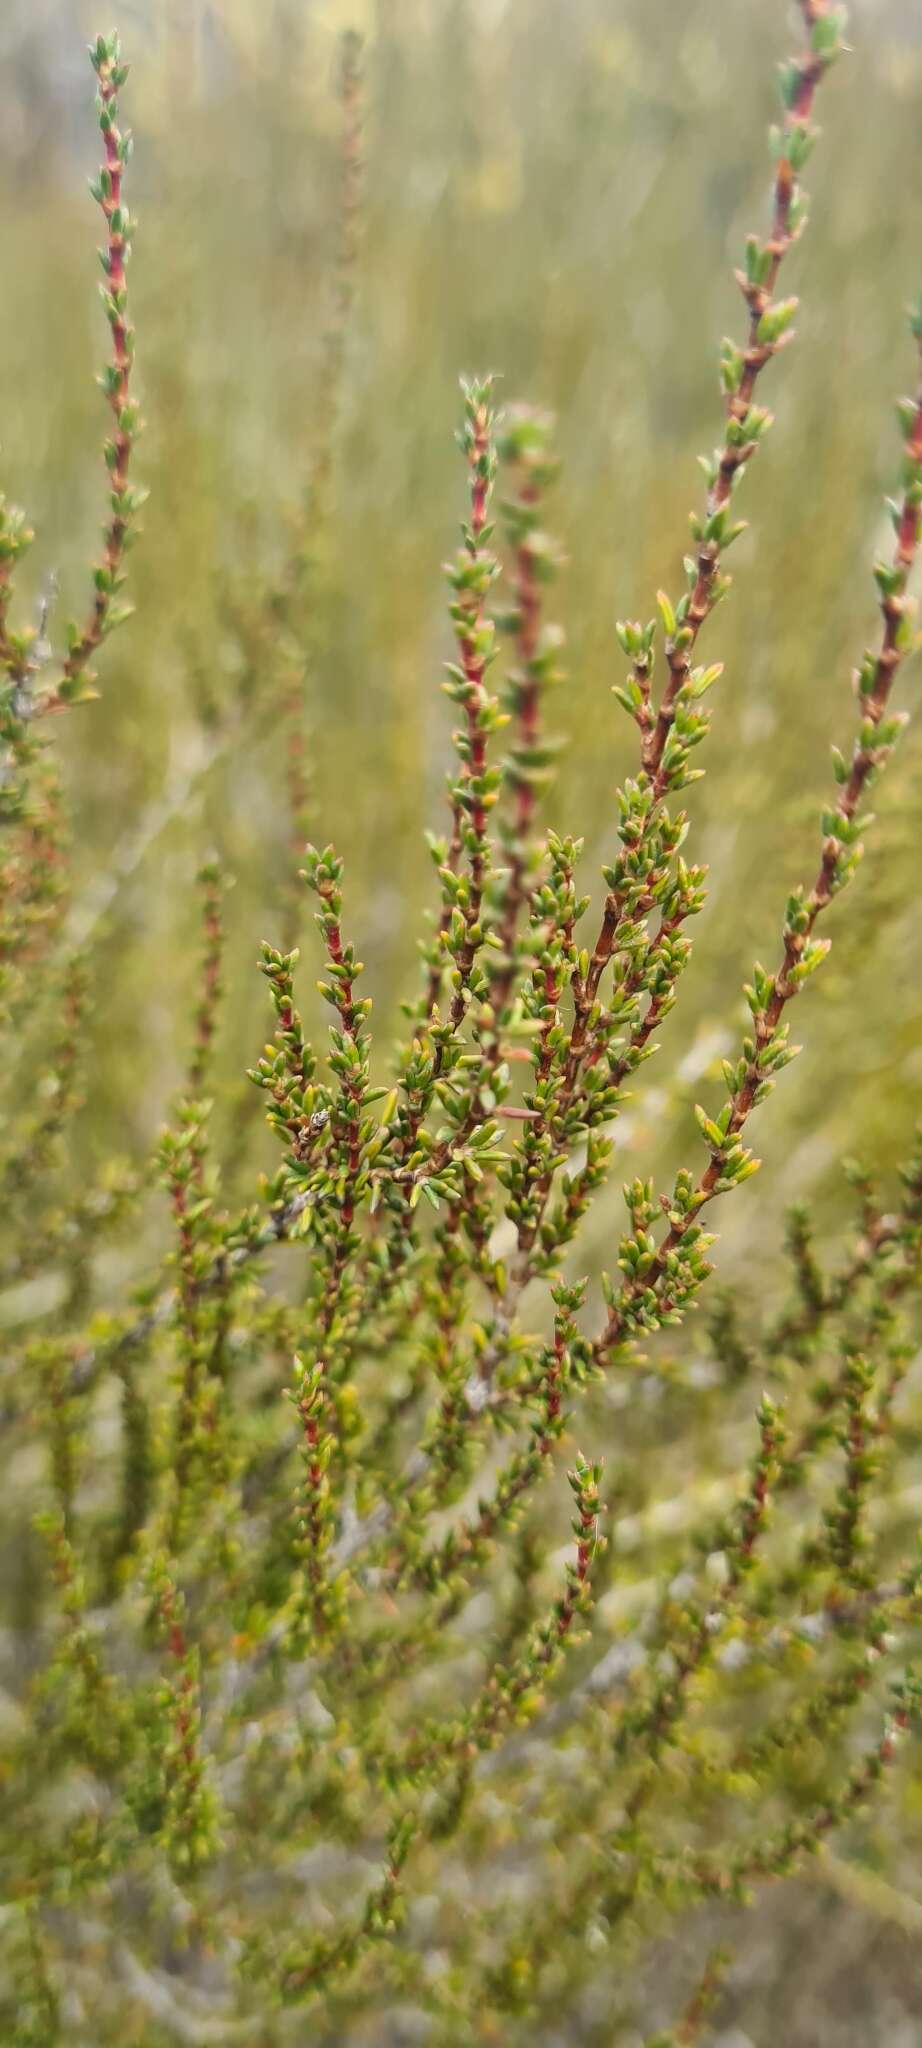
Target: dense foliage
316 1700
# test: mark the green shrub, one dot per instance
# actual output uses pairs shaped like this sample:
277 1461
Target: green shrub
272 1738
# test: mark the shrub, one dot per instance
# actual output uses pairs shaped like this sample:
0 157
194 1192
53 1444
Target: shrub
258 1651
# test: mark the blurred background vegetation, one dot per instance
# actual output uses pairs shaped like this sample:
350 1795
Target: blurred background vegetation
557 192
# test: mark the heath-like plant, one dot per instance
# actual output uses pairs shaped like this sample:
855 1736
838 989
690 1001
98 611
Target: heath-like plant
326 1699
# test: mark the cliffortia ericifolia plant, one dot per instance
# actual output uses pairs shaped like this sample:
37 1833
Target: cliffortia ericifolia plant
324 1524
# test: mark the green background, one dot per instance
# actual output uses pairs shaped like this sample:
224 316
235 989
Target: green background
558 193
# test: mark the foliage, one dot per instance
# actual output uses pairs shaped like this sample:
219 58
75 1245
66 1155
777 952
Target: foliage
255 1646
